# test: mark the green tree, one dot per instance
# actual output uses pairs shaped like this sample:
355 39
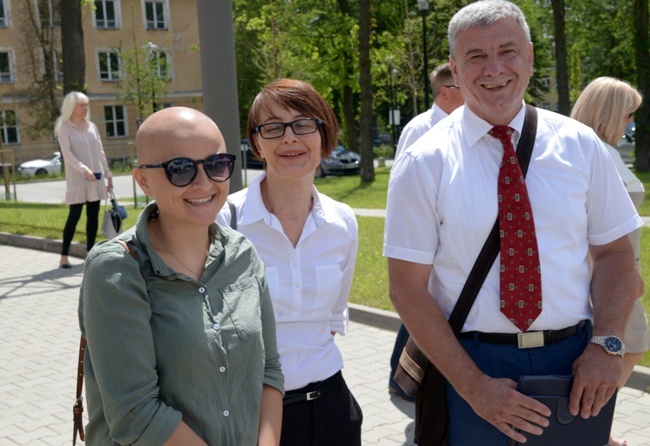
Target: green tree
146 77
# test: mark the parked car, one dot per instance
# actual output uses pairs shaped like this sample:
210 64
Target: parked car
625 146
38 168
340 162
248 159
630 131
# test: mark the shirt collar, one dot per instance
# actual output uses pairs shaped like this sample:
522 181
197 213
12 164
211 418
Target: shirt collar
253 209
476 128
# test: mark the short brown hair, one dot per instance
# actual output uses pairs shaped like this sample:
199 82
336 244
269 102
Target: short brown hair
299 96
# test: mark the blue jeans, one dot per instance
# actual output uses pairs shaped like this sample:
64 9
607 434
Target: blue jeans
508 361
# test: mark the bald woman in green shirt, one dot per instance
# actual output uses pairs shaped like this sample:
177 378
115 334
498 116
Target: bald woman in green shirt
181 338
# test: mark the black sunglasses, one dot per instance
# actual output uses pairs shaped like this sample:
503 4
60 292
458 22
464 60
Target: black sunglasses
182 171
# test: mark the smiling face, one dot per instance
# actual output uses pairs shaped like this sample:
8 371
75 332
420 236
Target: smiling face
291 156
181 132
493 67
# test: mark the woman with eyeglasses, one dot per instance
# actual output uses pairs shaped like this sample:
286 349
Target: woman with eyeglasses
308 243
606 105
181 342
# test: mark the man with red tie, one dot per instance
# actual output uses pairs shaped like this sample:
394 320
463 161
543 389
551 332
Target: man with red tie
445 193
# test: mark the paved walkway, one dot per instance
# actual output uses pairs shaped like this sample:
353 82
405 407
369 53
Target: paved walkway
39 342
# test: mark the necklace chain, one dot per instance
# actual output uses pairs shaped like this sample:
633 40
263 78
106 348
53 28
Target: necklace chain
153 226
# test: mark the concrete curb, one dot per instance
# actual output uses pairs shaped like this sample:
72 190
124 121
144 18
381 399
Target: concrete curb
386 320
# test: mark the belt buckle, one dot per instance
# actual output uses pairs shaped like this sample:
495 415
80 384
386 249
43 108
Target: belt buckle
530 340
313 395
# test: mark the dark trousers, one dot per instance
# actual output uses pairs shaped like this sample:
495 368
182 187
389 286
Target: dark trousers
400 343
92 223
333 419
508 361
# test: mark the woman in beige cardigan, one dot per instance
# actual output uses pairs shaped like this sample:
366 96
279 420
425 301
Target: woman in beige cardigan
85 169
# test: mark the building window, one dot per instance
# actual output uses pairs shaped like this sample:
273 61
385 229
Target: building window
48 11
56 66
6 73
9 127
109 65
106 14
546 81
155 15
115 119
546 105
4 17
161 64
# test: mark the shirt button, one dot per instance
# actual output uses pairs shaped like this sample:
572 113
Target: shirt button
226 413
216 326
202 290
222 369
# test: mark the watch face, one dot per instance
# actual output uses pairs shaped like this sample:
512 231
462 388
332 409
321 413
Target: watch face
613 344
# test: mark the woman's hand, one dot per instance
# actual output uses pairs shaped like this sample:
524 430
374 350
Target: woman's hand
109 186
90 176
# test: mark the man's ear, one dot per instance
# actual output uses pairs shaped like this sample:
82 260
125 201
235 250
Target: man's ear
141 179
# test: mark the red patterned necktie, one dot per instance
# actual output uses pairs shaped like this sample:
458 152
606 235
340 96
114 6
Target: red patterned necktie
521 284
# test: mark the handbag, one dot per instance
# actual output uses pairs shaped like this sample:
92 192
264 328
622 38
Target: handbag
415 374
113 217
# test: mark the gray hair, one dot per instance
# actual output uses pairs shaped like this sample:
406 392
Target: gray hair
440 76
483 14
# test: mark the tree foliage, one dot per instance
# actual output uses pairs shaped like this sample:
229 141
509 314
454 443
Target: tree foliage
318 41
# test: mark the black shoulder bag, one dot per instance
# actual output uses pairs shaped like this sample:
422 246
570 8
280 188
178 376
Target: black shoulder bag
415 374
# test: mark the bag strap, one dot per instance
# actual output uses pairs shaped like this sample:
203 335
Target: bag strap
78 408
233 215
490 249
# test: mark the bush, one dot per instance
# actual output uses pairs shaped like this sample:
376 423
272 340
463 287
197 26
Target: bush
383 151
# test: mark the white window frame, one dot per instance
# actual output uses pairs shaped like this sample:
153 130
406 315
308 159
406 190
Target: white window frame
168 62
3 127
112 77
5 21
115 121
55 20
118 14
58 66
12 71
154 23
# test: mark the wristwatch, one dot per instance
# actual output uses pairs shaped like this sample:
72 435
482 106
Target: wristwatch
612 344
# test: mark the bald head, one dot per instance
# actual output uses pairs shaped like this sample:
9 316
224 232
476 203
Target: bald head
175 131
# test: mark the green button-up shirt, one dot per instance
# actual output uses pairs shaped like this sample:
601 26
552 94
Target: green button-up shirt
162 346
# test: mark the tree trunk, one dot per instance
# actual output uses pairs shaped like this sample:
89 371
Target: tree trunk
562 69
365 83
72 47
349 114
642 55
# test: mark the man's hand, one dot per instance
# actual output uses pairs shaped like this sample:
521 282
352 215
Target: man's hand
596 375
497 401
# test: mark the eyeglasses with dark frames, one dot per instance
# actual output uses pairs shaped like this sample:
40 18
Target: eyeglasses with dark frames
452 87
182 171
273 130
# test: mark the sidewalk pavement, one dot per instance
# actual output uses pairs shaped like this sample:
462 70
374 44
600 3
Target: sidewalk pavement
39 341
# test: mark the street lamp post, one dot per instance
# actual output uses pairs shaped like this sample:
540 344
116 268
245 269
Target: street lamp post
423 6
152 49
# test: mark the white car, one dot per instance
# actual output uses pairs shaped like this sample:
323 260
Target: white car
38 168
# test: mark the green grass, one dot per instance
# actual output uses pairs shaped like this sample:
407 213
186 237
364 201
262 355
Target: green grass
370 285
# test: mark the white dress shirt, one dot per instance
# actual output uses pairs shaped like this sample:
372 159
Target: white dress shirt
418 126
442 203
309 284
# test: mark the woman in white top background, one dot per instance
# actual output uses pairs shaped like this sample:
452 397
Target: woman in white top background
606 105
85 169
308 243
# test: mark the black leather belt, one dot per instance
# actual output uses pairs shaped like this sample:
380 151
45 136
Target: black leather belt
313 391
529 339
